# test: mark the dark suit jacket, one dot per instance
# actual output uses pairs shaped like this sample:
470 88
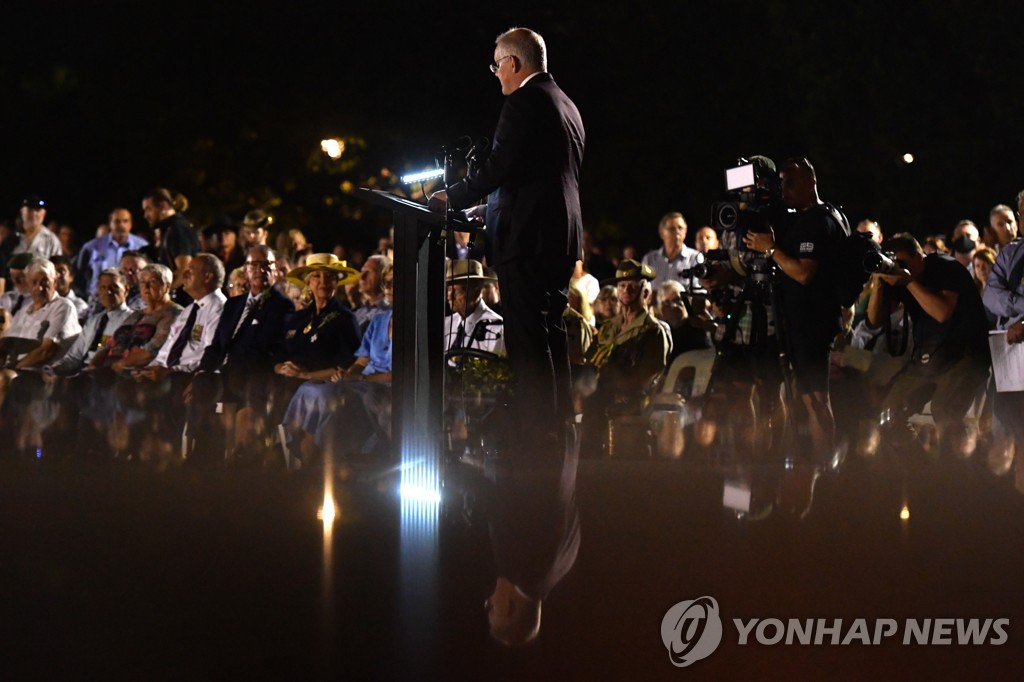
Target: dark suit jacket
258 342
534 164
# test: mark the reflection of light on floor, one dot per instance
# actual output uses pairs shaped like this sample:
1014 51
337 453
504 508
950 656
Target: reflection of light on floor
420 503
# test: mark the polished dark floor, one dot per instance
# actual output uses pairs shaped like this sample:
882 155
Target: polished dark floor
117 570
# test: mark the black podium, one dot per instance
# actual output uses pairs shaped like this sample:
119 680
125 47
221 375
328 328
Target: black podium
417 363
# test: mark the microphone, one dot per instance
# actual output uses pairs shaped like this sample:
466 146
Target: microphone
476 153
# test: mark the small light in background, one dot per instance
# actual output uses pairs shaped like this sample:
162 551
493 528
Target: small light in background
905 513
333 147
908 158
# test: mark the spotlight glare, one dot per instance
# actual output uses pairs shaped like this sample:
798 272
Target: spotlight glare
904 513
333 147
424 175
419 493
908 158
327 513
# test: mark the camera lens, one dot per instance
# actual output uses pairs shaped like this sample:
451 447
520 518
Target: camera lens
727 216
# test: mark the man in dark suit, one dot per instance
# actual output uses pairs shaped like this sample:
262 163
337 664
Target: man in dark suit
237 364
533 216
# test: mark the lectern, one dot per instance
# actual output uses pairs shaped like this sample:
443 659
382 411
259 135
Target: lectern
417 362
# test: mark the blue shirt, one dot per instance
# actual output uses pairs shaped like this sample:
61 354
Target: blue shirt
376 345
101 253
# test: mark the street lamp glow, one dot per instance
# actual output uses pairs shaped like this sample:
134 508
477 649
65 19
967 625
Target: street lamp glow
333 147
908 158
424 175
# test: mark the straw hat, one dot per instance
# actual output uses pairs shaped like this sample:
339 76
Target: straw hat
320 262
465 271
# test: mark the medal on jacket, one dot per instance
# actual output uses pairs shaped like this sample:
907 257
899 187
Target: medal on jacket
308 328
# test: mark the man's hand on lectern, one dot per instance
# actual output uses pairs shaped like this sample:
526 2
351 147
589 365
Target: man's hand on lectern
476 214
438 202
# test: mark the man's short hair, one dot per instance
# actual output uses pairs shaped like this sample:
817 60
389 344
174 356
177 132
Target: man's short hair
669 285
1020 197
268 252
383 262
161 271
904 241
671 215
116 274
213 266
801 163
60 260
41 265
525 45
131 253
1000 208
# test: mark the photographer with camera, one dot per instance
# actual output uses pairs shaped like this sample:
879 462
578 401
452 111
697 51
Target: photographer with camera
950 357
809 236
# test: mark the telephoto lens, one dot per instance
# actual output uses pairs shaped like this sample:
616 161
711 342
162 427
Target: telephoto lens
881 263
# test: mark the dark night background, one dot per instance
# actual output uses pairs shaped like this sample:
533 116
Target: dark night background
227 103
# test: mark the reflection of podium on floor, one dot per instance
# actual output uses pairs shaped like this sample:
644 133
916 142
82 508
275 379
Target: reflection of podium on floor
417 362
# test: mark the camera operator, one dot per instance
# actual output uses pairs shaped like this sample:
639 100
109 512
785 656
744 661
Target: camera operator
950 356
804 250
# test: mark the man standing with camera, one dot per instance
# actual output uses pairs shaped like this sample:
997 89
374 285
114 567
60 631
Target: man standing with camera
950 359
805 251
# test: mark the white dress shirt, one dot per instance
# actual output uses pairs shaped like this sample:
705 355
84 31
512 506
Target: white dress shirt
81 350
199 336
489 337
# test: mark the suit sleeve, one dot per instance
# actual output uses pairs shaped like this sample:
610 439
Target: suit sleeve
506 157
1000 296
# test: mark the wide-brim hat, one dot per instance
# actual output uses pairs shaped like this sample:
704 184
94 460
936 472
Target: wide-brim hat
257 218
630 269
468 270
323 262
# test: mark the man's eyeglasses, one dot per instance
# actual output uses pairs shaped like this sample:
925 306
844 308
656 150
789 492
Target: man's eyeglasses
495 65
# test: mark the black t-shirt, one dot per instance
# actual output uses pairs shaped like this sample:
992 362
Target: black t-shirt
178 238
810 311
965 331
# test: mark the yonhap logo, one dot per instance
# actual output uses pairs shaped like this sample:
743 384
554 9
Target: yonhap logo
691 630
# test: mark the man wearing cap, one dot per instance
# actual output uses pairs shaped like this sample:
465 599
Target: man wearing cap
18 296
630 349
106 251
472 323
36 239
254 228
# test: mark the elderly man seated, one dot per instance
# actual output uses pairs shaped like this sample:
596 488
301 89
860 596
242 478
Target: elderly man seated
39 332
631 348
42 329
354 406
472 324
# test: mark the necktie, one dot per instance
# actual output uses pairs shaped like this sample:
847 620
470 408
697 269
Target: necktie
249 306
17 306
98 336
174 357
460 336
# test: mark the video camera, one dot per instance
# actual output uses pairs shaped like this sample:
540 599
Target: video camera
750 202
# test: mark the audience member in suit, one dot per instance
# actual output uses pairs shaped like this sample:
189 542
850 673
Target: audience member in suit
237 365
